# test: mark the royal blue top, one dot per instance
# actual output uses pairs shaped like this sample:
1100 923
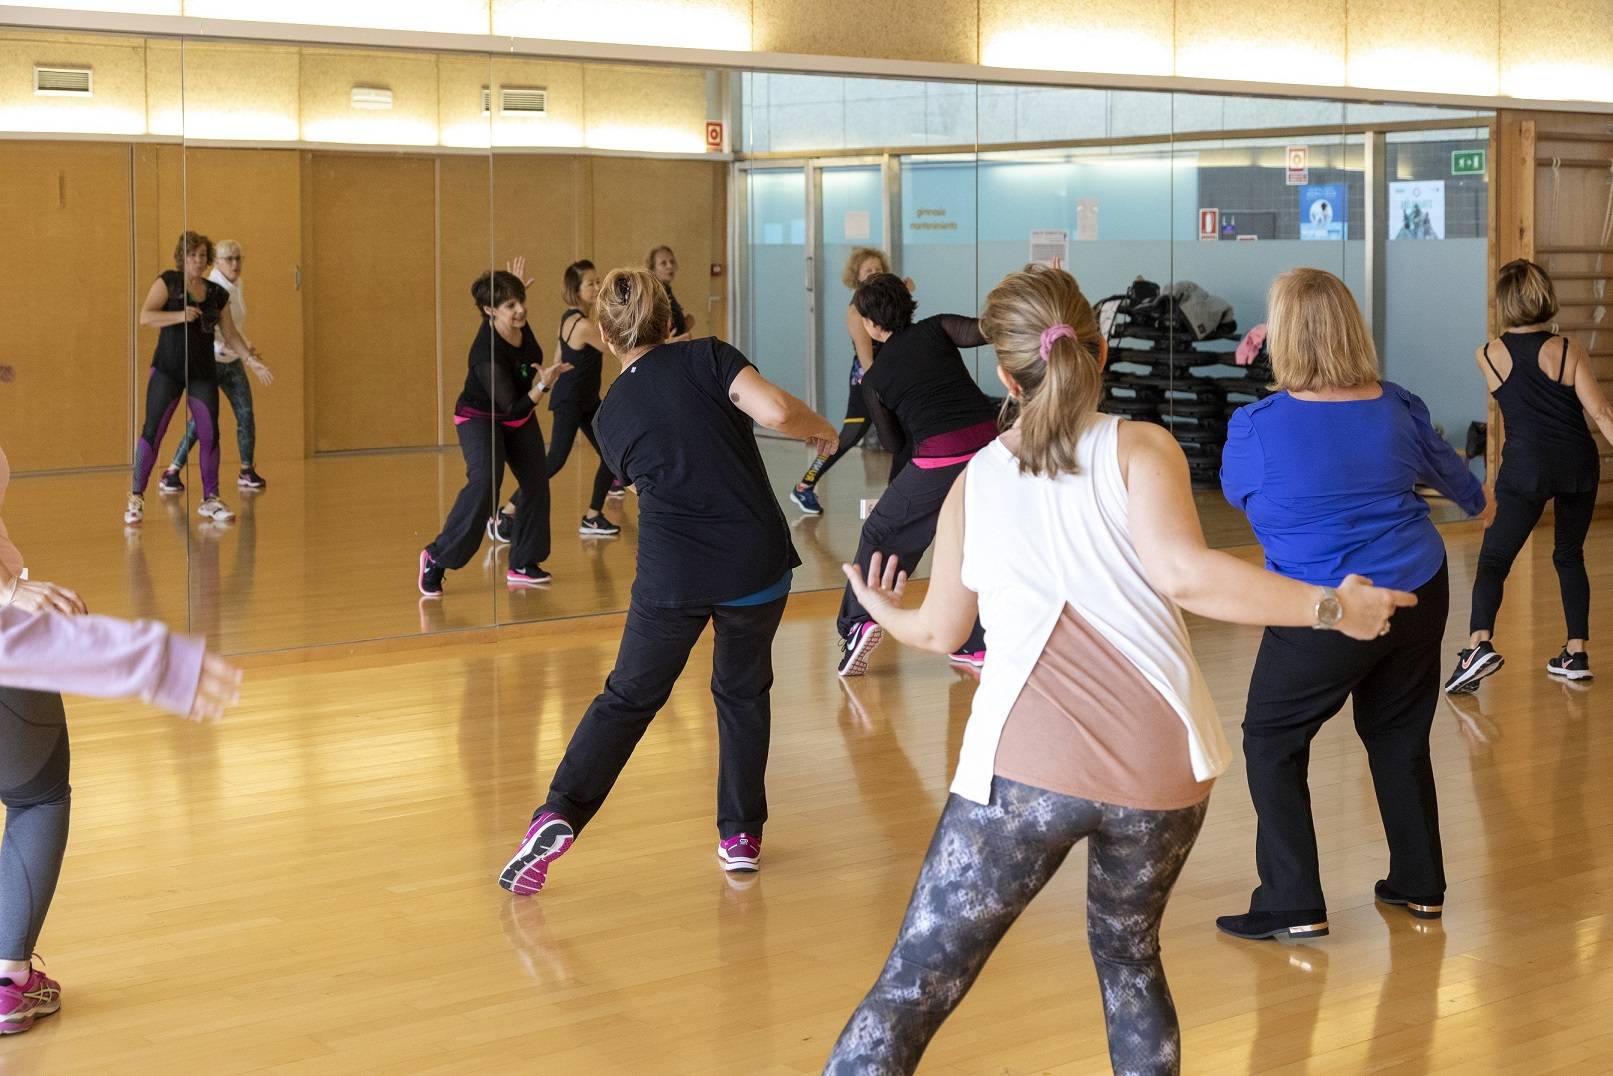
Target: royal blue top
1329 487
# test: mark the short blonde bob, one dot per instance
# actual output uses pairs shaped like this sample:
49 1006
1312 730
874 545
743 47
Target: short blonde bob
1317 336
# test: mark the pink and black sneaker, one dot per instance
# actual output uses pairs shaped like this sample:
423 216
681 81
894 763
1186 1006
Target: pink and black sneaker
975 658
741 852
23 1003
546 840
856 647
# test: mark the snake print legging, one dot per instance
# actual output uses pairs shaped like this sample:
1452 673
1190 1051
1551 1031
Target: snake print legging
985 865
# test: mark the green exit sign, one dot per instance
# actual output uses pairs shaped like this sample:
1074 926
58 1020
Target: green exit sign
1467 162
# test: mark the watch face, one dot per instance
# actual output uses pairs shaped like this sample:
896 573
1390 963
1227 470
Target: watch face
1329 612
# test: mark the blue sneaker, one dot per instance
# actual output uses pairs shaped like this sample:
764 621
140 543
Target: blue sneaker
806 500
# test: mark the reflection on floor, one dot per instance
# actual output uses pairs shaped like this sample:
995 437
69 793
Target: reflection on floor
328 553
310 886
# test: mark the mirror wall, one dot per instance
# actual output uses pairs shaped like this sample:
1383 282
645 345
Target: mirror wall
352 197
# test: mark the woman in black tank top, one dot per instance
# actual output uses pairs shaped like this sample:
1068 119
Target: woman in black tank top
1544 385
574 400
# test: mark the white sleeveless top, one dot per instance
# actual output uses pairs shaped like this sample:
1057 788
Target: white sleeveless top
1031 545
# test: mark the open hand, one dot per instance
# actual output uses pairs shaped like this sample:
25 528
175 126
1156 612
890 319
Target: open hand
264 375
1367 608
37 596
549 373
884 587
518 267
220 688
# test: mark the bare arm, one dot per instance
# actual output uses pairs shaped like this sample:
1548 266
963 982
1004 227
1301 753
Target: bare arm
1165 530
772 407
1589 391
152 314
943 621
584 332
861 342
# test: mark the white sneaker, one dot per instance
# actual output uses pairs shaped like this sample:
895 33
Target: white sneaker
135 510
216 510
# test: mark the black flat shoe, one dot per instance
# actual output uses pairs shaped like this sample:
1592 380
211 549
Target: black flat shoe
1284 926
1428 910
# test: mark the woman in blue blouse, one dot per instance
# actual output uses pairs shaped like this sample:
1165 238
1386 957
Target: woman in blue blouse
1326 470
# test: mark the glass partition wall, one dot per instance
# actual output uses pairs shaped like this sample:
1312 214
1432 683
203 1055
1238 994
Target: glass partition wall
353 196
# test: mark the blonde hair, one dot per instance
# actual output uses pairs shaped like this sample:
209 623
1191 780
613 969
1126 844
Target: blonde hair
1317 336
227 247
1524 294
854 264
1058 395
633 310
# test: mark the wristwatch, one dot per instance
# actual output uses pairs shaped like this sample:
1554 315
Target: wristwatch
1328 610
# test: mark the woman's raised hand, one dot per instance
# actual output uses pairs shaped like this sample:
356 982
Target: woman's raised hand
884 586
517 266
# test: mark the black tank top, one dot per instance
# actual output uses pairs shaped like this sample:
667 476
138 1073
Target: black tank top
579 386
1548 447
185 351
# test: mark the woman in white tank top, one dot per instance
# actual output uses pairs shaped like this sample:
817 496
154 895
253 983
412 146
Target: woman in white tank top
1075 540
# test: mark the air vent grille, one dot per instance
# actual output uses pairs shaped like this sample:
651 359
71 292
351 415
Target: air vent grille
63 82
523 100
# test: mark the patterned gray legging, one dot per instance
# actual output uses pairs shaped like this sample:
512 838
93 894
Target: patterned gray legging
985 865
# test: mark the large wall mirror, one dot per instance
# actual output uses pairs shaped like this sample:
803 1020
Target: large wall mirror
350 199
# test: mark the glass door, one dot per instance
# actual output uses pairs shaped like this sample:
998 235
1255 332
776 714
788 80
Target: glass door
777 304
850 215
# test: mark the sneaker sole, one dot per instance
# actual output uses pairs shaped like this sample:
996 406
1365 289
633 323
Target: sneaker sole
616 494
493 535
1283 934
960 659
1419 911
166 492
738 866
131 521
857 662
528 869
420 579
587 533
1469 681
1569 674
525 583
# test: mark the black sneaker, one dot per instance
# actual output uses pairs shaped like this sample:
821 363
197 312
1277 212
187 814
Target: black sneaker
1570 666
598 527
501 527
170 483
1283 926
250 479
1473 665
857 646
431 574
532 575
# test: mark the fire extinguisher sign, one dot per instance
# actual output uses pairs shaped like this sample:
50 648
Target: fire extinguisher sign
1209 224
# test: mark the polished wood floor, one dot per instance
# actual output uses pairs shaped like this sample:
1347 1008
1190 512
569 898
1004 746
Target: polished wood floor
309 886
327 554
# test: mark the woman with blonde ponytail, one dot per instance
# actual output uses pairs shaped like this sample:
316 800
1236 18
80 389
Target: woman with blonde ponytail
1073 537
713 547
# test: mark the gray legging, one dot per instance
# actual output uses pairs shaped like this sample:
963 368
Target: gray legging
34 788
985 864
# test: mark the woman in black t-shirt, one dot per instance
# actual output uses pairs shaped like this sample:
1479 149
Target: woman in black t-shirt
713 548
664 264
188 309
494 420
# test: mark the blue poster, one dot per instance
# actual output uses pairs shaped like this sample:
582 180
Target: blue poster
1322 211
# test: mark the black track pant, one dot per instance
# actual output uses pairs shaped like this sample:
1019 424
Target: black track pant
488 446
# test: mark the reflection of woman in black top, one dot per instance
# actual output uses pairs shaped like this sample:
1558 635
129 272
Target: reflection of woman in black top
664 264
188 309
494 420
713 548
921 396
1545 385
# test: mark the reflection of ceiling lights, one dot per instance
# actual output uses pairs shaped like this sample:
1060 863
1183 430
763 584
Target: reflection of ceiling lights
372 98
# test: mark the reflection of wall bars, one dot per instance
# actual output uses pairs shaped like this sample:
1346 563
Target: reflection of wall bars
63 82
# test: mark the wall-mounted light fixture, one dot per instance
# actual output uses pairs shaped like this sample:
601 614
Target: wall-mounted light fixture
372 98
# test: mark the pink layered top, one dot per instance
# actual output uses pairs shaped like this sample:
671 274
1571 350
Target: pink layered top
93 655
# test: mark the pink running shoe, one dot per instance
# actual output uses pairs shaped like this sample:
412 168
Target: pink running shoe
21 1005
741 852
546 840
976 658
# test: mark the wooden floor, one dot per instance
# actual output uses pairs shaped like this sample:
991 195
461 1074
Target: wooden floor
328 553
309 887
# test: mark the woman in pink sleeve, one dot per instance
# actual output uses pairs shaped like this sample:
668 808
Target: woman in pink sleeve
49 644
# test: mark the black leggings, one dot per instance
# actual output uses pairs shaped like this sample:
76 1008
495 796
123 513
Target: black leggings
163 394
568 420
33 785
852 430
1515 517
985 865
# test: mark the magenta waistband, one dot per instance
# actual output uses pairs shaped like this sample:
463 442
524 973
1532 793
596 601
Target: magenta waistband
965 442
934 463
460 420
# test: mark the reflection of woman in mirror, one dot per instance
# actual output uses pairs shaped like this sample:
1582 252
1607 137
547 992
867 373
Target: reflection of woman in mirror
496 425
713 548
574 399
48 644
232 379
1074 537
189 310
664 264
863 263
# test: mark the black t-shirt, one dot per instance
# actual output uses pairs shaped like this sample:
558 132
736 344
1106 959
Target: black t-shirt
921 377
680 323
710 528
500 376
185 351
580 384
